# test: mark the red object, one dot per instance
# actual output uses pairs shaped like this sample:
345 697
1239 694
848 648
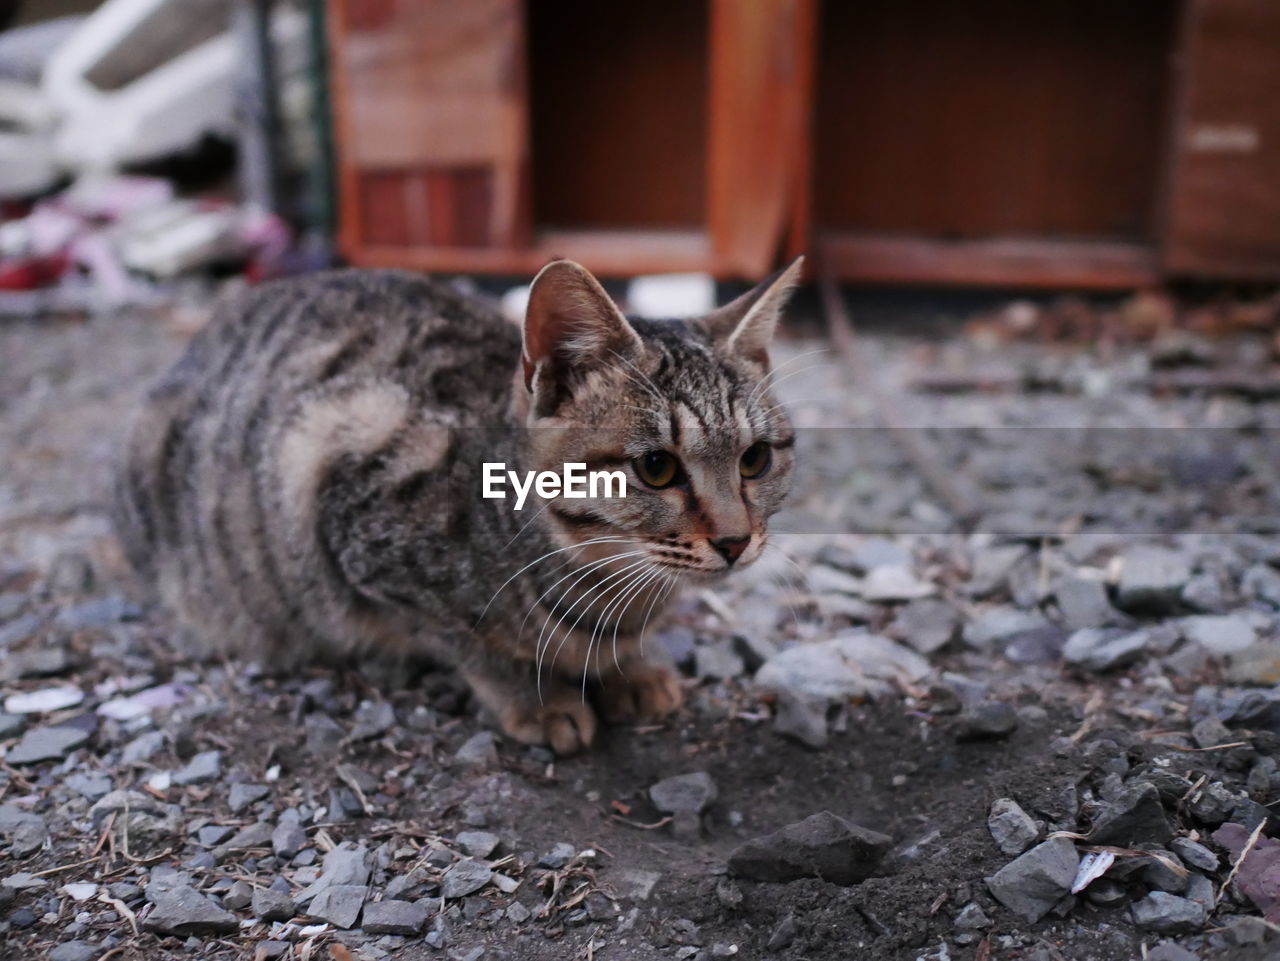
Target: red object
32 273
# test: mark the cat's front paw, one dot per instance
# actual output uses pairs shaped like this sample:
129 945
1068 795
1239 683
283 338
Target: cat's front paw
564 722
645 693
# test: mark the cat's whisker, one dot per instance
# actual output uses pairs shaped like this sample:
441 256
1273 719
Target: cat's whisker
625 592
765 381
662 595
591 590
638 592
583 571
794 373
644 381
529 522
785 590
538 560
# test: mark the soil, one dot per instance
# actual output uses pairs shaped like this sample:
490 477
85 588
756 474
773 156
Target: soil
893 763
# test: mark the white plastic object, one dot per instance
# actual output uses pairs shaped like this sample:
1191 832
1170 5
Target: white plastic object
672 295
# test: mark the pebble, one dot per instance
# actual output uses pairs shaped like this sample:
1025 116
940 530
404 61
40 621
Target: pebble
998 625
927 625
1169 914
1195 854
255 835
271 905
372 718
11 725
717 662
339 904
1104 649
346 865
143 748
183 911
36 662
479 752
46 744
90 786
972 918
821 846
239 897
1011 827
323 734
288 839
784 934
1083 602
394 917
1134 816
802 719
890 583
852 664
100 612
1220 633
986 721
1151 579
466 877
635 883
25 830
1031 884
689 793
559 855
205 766
478 844
80 890
75 951
242 794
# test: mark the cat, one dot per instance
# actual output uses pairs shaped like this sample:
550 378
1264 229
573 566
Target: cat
306 482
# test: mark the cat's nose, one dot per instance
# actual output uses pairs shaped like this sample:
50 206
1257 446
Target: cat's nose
731 548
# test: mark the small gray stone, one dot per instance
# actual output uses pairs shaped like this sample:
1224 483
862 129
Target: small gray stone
821 846
183 911
689 793
480 751
346 865
867 553
272 905
1083 602
972 918
851 664
517 913
205 766
324 734
478 844
211 835
802 719
255 835
75 951
465 877
1134 816
288 839
90 786
394 917
1261 582
889 583
36 662
1165 873
339 904
927 625
25 830
717 662
242 795
1169 951
1200 890
239 896
635 883
1011 828
46 744
143 748
1206 593
1106 893
372 718
1151 579
1169 914
100 612
1100 649
1194 854
11 725
559 855
986 721
1030 885
990 566
1220 634
996 626
785 933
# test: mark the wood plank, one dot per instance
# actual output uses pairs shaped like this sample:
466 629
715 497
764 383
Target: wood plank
1224 192
1008 262
761 66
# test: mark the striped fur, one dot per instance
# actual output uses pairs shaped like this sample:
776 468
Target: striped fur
305 482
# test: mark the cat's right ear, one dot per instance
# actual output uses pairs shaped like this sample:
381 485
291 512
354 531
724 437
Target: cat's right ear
570 326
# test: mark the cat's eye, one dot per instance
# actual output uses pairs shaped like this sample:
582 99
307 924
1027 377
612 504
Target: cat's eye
755 460
657 468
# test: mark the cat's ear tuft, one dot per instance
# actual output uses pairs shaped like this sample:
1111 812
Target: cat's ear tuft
570 326
745 327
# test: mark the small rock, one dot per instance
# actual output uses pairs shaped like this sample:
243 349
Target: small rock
784 934
1106 893
288 839
1206 593
1134 816
635 883
26 832
998 625
75 951
339 904
143 748
972 918
927 625
100 612
559 855
36 662
44 701
205 766
1030 885
255 835
11 725
1165 873
394 917
324 734
1100 649
1169 914
986 721
689 793
183 911
80 890
242 795
1220 633
346 865
1261 582
478 844
866 554
823 846
1213 803
272 905
889 583
1151 579
1011 828
1083 602
1169 951
465 877
46 744
517 913
479 752
91 786
372 718
1200 889
717 662
211 835
851 664
1194 854
801 719
239 897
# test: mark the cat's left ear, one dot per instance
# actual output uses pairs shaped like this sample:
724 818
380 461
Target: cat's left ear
744 327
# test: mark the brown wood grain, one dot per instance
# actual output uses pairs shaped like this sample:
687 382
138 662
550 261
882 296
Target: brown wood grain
1224 197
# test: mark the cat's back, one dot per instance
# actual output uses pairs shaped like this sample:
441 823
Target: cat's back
286 380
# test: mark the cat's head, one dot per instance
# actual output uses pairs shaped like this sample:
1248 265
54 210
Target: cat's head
683 408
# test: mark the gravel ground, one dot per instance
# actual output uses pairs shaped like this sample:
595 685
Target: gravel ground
996 657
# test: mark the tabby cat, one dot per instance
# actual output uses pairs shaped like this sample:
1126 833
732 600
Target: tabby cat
306 482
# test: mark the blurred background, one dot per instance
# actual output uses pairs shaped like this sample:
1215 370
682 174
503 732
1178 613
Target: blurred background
1066 145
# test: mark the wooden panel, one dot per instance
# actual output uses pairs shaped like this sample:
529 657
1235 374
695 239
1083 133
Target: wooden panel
991 117
619 112
761 77
1224 215
431 122
1096 265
